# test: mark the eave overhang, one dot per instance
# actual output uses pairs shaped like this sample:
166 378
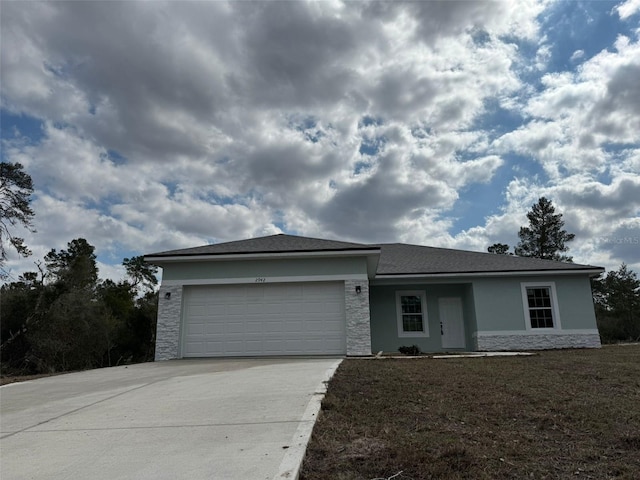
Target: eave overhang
504 273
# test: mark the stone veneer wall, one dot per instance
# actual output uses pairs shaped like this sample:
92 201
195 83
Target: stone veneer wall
168 329
358 318
537 341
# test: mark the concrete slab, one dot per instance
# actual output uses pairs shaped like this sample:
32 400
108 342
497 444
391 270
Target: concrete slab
192 419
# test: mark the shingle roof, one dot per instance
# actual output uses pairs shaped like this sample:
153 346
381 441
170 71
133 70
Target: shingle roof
402 259
272 244
395 258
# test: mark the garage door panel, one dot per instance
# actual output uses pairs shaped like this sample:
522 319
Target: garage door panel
255 328
198 310
197 328
235 327
214 328
196 347
257 308
237 309
273 327
315 326
292 308
294 327
267 319
213 310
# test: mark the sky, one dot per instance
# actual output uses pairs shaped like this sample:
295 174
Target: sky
149 126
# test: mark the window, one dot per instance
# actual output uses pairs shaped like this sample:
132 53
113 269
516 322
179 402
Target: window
540 307
411 308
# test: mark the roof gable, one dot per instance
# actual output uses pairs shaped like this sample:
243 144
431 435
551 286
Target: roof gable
280 243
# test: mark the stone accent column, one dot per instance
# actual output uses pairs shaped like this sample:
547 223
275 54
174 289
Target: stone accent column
168 328
358 318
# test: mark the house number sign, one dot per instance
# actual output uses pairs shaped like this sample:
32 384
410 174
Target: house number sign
260 280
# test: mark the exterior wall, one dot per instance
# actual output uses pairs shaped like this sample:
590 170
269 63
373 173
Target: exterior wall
358 318
505 313
169 320
574 301
502 325
249 270
384 324
494 314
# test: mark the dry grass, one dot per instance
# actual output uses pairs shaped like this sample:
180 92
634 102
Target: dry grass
561 414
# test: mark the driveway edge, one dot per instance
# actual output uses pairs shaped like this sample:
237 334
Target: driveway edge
292 461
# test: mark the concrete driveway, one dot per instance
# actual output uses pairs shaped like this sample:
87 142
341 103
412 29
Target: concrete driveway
186 419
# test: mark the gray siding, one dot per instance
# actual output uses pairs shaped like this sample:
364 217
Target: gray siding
493 314
574 302
252 269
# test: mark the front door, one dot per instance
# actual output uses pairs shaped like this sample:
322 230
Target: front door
451 322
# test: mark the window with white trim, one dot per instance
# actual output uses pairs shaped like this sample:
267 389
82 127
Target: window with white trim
411 309
540 306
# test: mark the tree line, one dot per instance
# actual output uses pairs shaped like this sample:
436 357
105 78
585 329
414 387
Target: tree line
616 295
62 317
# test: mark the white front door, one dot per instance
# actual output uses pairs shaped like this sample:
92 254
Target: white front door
451 322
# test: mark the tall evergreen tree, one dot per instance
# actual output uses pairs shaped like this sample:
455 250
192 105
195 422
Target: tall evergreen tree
545 236
617 302
74 268
142 274
16 188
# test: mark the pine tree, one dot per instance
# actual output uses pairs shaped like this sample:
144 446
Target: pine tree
544 237
74 268
617 302
16 188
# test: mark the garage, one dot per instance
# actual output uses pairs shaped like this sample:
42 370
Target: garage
304 318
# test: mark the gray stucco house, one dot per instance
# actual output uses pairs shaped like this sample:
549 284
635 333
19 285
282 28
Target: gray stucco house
289 295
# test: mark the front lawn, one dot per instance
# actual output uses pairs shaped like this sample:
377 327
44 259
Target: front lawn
560 414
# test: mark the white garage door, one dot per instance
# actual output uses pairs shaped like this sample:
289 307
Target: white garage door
264 319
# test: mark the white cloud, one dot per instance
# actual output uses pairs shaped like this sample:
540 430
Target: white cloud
543 55
577 55
170 124
578 115
628 8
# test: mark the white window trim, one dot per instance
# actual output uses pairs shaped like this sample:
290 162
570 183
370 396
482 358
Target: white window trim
555 311
425 317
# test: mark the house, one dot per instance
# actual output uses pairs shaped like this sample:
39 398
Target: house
290 295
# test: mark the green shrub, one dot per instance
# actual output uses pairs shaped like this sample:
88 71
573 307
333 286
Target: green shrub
412 350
